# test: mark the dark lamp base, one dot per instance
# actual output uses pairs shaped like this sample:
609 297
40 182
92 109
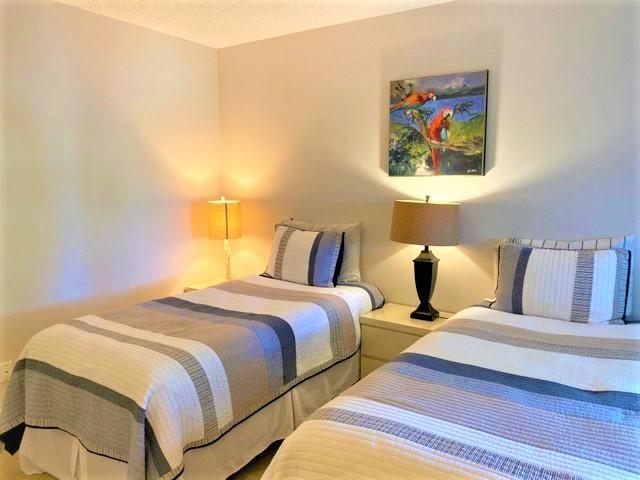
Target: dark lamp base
425 268
425 312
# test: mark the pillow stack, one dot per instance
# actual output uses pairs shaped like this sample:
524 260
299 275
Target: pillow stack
305 257
578 281
350 269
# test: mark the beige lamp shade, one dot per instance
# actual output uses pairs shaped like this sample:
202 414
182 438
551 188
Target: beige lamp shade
423 223
224 219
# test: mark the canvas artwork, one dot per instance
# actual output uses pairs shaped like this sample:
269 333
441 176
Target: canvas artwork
438 125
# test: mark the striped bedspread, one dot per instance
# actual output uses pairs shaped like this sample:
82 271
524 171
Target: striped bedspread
143 384
488 395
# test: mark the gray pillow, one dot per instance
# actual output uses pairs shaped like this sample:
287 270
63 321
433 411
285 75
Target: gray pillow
350 271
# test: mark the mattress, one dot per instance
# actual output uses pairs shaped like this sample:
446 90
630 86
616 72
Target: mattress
488 395
144 384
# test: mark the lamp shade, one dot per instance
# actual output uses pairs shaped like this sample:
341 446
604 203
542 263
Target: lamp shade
423 223
224 219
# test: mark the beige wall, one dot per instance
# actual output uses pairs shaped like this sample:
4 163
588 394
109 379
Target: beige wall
304 131
110 147
110 138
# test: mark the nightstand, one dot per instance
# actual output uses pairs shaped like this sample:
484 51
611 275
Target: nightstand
206 284
388 331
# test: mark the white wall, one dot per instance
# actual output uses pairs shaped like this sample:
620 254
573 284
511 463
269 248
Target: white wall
304 131
110 137
110 148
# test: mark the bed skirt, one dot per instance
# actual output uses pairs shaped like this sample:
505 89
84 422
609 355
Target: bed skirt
60 454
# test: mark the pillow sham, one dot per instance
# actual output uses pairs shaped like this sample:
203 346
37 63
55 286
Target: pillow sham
306 257
350 270
602 243
586 286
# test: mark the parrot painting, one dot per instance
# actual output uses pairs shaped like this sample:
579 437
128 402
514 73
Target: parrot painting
437 124
415 100
438 131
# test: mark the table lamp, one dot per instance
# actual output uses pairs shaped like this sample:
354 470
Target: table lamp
224 224
425 223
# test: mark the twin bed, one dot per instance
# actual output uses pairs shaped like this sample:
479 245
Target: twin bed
488 395
544 385
196 385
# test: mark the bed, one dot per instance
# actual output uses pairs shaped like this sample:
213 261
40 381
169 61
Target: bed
189 386
488 395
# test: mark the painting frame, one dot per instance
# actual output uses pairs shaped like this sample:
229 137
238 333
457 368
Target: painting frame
438 125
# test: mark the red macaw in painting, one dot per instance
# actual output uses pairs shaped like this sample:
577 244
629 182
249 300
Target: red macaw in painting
414 100
438 130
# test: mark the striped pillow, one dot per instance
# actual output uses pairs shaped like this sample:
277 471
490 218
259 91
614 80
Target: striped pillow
309 258
586 286
603 243
350 269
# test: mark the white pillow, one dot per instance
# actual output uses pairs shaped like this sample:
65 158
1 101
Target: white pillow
350 271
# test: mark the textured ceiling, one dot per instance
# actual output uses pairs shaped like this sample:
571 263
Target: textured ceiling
221 23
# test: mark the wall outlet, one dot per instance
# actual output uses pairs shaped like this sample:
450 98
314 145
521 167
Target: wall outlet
5 371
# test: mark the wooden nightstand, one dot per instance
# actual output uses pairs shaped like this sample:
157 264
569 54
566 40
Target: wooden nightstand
206 284
388 331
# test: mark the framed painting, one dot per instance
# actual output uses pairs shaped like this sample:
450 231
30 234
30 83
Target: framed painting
438 125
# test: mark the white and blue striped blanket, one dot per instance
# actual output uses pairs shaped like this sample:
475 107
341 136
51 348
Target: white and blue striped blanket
141 385
488 395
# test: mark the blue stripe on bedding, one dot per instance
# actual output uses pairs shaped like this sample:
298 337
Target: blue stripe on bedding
377 300
444 390
280 327
554 404
513 467
624 400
